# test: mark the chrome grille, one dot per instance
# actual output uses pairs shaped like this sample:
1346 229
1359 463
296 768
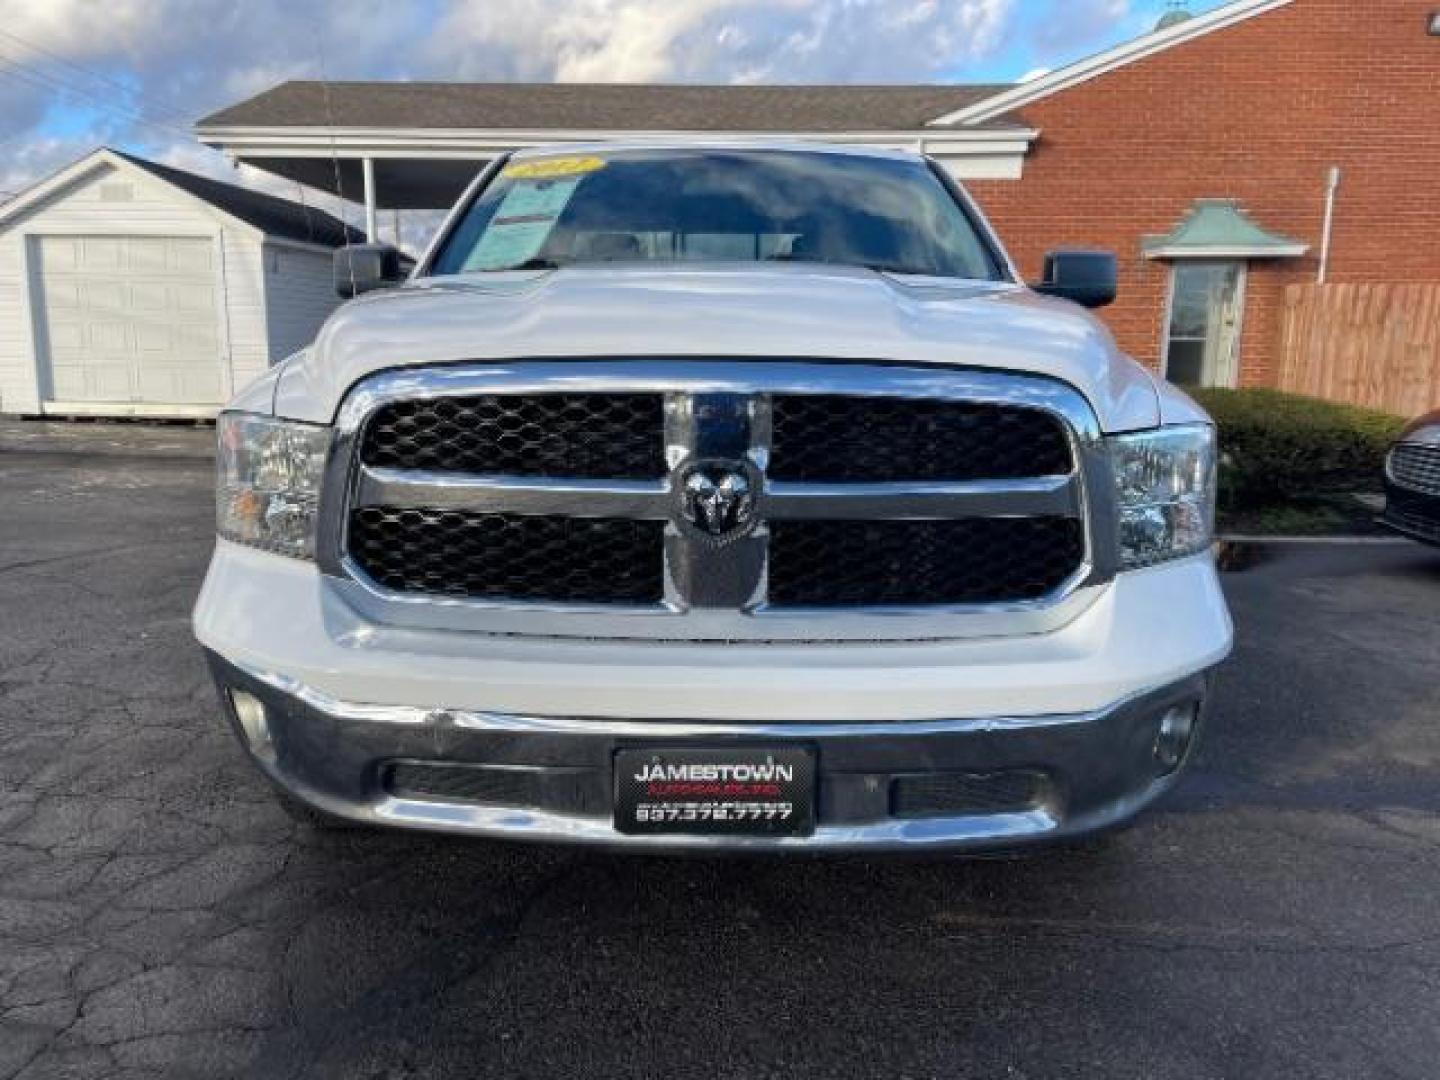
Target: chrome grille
970 561
833 438
977 517
509 556
569 435
1416 466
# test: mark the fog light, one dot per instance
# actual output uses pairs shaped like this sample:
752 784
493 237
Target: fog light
1177 730
250 711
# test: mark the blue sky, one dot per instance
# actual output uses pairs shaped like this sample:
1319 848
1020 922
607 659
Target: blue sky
161 64
1032 48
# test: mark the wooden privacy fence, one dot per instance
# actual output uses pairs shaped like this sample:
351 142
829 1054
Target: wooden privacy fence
1372 345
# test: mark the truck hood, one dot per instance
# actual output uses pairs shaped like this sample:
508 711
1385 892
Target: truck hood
785 311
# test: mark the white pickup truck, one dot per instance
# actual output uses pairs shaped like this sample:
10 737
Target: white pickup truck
719 497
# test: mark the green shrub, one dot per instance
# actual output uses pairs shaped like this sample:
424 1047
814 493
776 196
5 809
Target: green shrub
1275 447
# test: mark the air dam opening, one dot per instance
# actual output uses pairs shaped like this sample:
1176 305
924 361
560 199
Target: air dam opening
963 794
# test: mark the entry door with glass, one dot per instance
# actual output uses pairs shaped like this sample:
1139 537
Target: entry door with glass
1207 303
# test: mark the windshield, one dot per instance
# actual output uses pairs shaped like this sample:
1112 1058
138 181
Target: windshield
703 205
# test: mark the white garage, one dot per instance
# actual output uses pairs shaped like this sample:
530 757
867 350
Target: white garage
129 288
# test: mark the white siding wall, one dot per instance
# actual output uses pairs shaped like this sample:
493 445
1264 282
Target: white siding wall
244 287
17 367
110 201
299 296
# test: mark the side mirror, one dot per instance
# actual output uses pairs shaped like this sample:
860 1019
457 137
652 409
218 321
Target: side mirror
362 268
1089 278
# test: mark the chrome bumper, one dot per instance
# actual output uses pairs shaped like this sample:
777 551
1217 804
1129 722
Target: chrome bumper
1099 769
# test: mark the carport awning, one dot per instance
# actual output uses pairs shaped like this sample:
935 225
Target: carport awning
1220 229
416 183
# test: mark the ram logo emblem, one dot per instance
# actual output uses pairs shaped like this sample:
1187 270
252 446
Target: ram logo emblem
717 498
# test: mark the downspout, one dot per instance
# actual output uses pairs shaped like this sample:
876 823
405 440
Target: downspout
1332 188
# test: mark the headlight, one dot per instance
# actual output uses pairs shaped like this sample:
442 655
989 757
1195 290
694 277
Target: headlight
268 483
1165 493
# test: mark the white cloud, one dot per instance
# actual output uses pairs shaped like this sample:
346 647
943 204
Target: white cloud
137 73
716 40
81 29
27 160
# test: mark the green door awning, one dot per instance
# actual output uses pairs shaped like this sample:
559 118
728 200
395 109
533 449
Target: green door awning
1219 229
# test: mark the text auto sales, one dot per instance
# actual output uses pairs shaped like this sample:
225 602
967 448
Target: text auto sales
741 778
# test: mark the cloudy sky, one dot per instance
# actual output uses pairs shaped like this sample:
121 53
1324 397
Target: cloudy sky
136 74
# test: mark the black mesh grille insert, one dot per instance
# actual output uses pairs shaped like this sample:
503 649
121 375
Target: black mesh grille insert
1416 467
834 439
561 790
496 787
588 436
509 556
969 561
955 793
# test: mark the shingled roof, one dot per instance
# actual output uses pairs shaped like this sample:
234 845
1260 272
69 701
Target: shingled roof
270 214
600 107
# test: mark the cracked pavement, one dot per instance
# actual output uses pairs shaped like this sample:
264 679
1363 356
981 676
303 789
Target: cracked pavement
160 916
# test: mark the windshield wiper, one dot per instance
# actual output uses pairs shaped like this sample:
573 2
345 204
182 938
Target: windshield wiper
529 264
877 267
895 268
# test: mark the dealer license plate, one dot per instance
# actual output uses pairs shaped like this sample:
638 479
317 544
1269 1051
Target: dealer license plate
743 791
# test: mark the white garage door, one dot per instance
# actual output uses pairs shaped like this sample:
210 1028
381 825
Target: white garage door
127 319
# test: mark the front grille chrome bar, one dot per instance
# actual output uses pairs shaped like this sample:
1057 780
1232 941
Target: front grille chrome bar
652 500
710 593
646 500
1044 496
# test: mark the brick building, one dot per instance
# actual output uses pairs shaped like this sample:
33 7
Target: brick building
1259 110
1204 154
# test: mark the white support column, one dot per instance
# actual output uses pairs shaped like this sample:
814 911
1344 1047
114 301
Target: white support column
395 223
372 227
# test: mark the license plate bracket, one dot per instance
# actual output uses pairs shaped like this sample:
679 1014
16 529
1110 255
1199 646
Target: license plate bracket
715 791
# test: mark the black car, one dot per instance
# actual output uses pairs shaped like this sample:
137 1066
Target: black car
1412 481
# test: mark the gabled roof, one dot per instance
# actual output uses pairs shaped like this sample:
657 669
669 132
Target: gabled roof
1007 101
1219 228
267 214
270 214
598 107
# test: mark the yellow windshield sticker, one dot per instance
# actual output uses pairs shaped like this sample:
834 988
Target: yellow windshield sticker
548 168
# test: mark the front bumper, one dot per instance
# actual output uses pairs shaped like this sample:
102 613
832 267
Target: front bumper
347 700
1415 514
1146 629
551 778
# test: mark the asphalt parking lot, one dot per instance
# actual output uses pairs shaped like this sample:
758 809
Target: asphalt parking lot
1277 917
